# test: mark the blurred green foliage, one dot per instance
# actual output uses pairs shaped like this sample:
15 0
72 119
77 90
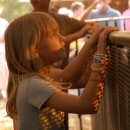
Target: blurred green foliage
13 9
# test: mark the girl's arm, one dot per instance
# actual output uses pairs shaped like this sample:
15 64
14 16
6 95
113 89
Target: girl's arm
89 101
85 74
72 37
73 70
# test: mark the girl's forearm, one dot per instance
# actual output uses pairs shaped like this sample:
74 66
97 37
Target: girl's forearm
85 74
93 91
73 70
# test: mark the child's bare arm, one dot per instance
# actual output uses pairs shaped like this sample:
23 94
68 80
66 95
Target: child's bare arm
89 101
73 70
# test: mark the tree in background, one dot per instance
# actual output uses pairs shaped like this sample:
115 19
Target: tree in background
13 9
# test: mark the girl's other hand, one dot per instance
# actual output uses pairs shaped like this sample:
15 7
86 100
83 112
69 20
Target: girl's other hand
103 39
85 29
100 35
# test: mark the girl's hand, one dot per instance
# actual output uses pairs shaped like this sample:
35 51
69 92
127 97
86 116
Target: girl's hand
87 27
103 38
100 35
93 40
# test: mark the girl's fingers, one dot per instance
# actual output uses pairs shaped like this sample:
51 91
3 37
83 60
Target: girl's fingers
102 42
99 35
104 34
97 31
106 29
110 29
95 35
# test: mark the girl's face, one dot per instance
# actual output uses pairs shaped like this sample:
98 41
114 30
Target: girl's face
51 49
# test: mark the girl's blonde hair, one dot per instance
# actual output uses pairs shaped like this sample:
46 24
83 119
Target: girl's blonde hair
21 38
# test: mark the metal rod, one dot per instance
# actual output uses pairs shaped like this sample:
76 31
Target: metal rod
107 19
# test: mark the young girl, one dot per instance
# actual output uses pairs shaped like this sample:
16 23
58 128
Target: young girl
34 92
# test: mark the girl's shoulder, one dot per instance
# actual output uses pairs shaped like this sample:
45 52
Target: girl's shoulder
31 78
